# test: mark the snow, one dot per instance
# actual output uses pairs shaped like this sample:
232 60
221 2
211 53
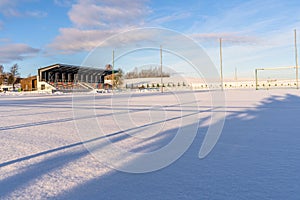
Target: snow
256 157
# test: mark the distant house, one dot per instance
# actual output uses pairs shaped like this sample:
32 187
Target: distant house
29 84
6 86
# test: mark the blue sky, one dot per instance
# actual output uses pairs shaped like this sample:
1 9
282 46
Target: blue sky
37 33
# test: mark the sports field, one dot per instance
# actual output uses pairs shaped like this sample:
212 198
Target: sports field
57 146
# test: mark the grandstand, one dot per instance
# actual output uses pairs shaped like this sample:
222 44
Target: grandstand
63 77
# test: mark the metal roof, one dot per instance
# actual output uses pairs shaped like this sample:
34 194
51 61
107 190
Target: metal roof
65 68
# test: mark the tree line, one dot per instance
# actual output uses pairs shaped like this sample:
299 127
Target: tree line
146 73
9 77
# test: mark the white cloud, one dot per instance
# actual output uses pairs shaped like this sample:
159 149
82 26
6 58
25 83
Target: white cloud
64 3
11 9
8 8
170 18
4 40
36 13
5 3
11 12
12 52
107 14
248 18
71 39
95 20
229 38
255 34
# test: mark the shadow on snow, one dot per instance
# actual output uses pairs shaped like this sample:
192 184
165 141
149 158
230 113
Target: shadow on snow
257 157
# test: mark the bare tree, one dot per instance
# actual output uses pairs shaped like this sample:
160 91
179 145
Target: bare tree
1 74
14 72
145 73
118 78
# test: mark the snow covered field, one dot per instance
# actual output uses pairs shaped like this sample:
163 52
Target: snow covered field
256 157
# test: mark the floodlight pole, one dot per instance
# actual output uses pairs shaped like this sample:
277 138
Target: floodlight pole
296 58
256 80
221 64
161 70
112 70
235 74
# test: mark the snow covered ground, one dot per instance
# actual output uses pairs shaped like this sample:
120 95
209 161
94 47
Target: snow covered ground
256 157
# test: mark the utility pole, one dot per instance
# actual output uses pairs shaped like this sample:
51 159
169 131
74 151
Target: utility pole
161 71
221 64
296 58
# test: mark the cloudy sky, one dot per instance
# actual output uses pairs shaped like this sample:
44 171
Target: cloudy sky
37 33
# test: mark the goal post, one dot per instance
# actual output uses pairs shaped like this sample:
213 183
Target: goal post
276 77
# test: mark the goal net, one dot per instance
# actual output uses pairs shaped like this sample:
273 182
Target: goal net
280 77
